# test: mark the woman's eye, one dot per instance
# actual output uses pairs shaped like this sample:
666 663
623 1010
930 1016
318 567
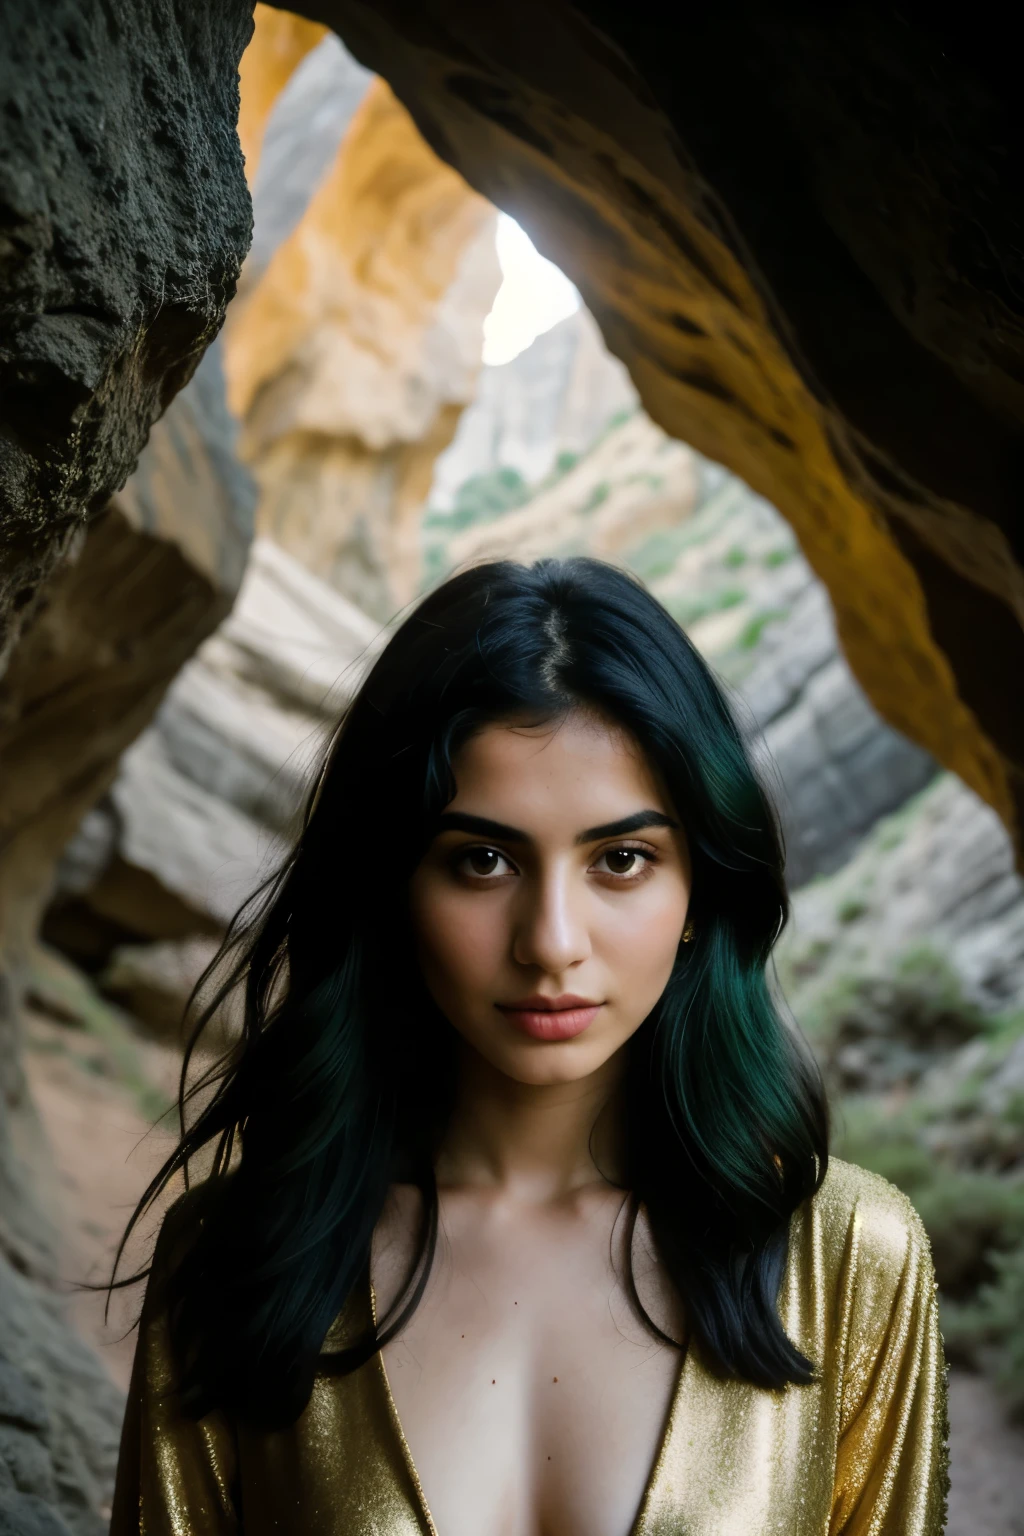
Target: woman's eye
483 862
622 861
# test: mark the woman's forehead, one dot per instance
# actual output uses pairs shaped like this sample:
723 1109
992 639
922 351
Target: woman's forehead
582 762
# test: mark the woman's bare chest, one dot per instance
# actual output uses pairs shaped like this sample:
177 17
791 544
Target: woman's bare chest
532 1399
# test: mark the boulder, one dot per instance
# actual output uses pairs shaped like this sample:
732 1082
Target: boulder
150 578
124 218
202 804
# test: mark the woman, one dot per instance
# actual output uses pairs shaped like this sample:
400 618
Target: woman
520 1217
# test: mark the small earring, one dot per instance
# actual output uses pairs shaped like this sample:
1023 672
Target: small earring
689 933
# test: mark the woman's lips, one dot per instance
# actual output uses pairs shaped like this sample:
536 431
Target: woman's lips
556 1018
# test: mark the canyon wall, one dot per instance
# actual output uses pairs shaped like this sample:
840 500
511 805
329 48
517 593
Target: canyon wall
357 351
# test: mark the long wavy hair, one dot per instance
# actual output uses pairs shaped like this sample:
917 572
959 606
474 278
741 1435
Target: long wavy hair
336 1087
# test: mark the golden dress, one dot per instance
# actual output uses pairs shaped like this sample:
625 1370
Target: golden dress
861 1451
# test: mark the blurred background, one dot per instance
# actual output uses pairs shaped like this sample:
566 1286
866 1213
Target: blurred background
405 385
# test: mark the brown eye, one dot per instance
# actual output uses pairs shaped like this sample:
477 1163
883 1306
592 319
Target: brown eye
483 862
626 863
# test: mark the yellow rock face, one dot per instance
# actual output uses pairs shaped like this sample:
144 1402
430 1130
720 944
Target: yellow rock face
279 44
351 362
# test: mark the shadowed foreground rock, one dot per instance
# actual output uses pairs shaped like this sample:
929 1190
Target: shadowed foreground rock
149 579
124 218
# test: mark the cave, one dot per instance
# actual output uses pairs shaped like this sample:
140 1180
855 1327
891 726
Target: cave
795 240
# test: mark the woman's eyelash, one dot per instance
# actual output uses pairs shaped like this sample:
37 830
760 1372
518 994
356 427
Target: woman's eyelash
643 851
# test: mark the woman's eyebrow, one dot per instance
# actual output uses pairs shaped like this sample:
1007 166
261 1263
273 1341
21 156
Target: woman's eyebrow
480 826
627 824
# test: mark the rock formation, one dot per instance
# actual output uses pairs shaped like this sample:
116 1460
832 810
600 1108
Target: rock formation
823 298
358 350
299 145
193 820
123 221
145 582
542 409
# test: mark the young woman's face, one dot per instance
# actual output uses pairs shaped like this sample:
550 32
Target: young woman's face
550 906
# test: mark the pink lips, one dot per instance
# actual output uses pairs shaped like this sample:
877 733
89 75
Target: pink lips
551 1018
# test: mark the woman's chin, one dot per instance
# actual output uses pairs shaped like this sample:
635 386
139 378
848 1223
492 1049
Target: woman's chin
540 1064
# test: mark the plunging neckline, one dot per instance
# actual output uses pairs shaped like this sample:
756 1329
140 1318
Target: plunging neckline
650 1487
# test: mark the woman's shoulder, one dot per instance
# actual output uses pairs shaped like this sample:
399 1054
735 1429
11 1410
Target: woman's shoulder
859 1216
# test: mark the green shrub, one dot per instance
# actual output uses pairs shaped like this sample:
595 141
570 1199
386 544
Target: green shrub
480 499
599 494
688 610
776 557
989 1330
752 632
971 1215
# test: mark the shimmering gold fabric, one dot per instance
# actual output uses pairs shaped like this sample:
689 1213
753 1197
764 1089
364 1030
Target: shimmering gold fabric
861 1452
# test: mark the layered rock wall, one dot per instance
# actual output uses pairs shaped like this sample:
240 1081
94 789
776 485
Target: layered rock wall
357 352
530 415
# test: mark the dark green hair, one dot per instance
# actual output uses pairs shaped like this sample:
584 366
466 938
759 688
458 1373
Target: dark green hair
337 1087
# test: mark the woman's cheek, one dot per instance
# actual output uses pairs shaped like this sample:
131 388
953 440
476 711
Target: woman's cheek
642 939
463 939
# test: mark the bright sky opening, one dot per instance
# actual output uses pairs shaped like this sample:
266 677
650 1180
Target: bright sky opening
534 295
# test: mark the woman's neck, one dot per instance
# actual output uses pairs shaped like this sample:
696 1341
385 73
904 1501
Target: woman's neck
534 1143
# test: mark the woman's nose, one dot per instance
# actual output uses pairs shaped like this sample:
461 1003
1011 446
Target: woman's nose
551 932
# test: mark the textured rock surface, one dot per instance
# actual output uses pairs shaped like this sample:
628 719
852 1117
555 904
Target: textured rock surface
192 819
356 353
940 873
60 1420
279 44
299 145
821 296
551 401
123 221
150 578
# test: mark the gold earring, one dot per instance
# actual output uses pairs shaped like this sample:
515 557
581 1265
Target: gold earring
689 933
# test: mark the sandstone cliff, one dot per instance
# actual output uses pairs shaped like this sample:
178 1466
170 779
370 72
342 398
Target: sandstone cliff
357 351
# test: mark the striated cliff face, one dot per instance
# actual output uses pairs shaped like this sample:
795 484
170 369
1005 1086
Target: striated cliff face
357 351
529 414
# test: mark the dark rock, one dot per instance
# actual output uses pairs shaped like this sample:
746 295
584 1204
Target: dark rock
59 1444
124 217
